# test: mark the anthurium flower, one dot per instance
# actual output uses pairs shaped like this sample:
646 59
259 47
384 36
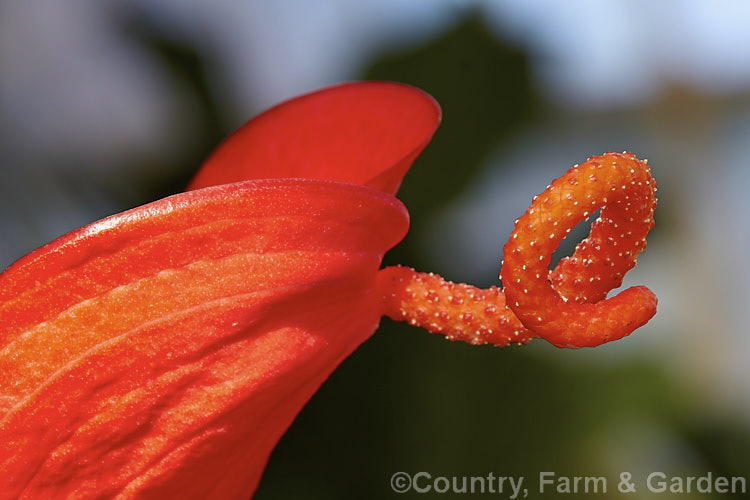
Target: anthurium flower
162 352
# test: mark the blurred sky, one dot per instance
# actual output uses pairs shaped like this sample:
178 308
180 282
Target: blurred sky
88 115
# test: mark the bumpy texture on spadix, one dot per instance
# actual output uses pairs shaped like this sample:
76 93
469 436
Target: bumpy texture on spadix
564 306
162 352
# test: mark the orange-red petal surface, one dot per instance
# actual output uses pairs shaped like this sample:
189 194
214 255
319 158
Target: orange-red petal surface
163 351
365 133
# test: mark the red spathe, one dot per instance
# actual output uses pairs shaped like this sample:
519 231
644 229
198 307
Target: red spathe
163 351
